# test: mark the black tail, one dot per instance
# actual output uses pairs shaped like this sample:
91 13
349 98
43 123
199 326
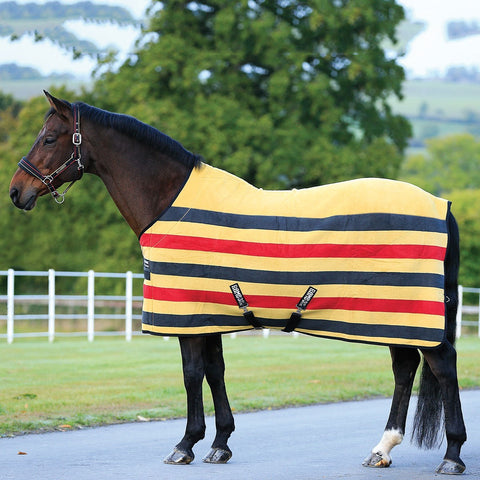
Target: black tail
427 431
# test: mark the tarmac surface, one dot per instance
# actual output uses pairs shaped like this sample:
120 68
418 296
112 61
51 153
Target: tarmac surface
319 442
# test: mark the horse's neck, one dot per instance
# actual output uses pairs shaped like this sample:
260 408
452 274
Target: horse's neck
141 182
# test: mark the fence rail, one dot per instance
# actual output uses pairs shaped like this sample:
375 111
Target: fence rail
470 310
51 299
129 303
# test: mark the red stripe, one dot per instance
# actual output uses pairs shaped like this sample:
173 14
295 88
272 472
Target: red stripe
275 250
427 307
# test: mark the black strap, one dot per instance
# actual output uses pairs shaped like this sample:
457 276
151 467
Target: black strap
242 303
295 317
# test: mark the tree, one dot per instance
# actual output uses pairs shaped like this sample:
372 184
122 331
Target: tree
465 208
450 163
451 168
283 93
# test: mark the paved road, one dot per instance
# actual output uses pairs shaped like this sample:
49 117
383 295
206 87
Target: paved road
319 442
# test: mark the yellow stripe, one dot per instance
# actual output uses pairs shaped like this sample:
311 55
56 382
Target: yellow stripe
191 330
297 291
382 340
379 318
346 316
293 265
391 237
242 198
342 336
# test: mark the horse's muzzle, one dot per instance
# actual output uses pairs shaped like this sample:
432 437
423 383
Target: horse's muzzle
24 202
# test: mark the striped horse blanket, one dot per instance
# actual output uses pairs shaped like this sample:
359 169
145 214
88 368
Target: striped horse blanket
372 251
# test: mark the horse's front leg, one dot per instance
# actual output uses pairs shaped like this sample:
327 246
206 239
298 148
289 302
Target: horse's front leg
215 373
404 364
193 354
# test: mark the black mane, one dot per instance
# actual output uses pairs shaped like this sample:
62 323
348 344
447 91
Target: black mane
140 131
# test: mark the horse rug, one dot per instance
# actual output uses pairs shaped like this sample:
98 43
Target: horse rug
367 256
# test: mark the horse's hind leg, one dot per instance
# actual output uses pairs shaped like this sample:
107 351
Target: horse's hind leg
193 352
215 373
404 363
442 362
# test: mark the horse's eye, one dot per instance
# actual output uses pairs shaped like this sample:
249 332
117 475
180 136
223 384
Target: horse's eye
49 140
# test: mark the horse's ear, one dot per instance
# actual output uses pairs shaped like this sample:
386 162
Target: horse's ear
63 108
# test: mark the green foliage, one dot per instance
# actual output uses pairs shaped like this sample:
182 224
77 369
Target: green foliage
450 163
465 208
279 93
451 168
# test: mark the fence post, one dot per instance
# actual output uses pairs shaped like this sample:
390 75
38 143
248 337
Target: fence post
10 303
91 306
459 311
51 305
128 306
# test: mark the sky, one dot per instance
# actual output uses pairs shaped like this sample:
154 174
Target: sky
429 52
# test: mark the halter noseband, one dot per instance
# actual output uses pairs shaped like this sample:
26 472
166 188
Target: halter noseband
76 156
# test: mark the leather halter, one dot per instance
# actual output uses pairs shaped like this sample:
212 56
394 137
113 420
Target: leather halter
75 157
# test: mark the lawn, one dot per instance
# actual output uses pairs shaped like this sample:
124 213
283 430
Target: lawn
72 383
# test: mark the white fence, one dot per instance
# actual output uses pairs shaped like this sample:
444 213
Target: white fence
52 301
470 310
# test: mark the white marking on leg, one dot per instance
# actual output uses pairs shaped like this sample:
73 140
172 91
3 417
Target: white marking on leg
390 439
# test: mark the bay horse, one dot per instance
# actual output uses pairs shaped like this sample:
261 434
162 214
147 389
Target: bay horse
144 170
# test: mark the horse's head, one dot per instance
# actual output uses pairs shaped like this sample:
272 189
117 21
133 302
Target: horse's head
54 158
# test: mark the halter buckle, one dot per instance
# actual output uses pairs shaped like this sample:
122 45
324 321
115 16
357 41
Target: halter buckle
47 179
77 139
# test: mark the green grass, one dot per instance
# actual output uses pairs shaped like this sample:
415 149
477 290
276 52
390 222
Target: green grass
73 383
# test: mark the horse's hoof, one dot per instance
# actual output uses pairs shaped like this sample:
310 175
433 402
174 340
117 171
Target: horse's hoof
180 457
449 467
376 460
218 455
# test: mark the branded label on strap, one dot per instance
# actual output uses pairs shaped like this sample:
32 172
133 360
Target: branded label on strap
305 300
237 293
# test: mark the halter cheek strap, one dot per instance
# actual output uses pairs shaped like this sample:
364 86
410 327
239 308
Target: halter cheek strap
75 157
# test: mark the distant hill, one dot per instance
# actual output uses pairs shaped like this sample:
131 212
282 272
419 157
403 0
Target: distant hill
58 10
12 71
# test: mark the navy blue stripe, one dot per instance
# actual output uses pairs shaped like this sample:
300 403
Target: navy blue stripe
361 222
298 278
335 327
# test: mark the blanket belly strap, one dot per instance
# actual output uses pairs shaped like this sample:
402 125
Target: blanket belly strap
295 317
242 303
292 322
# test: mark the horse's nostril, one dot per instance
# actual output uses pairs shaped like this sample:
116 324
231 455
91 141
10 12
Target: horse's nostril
14 194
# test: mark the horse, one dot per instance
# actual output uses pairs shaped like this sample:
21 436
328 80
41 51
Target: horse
144 171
